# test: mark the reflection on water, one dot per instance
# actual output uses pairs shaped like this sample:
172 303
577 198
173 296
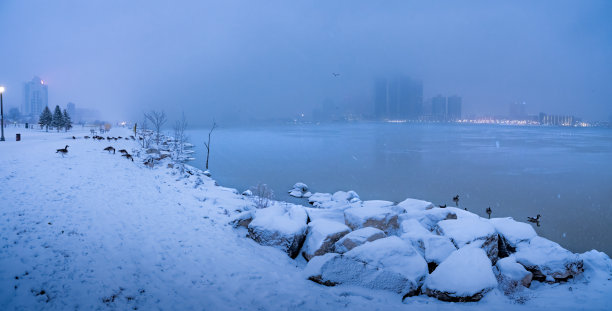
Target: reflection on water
565 174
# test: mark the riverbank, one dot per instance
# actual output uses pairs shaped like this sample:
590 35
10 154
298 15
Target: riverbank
93 230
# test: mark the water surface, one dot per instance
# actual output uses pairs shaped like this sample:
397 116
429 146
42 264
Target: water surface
565 174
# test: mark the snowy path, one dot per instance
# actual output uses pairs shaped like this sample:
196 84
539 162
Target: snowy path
94 231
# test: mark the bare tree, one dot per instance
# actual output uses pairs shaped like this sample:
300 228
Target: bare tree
158 119
208 144
179 136
145 134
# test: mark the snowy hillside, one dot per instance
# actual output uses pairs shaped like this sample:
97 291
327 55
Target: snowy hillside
92 230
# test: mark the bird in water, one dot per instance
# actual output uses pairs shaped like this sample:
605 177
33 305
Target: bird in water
442 206
489 212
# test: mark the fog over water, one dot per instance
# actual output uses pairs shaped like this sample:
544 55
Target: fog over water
563 174
243 61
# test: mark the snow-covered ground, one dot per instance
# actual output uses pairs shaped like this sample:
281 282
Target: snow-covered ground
93 230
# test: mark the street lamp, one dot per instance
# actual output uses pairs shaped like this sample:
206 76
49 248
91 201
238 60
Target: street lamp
1 113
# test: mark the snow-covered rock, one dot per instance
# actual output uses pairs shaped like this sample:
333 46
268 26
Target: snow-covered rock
471 231
434 248
511 275
318 198
547 260
415 205
388 264
242 220
346 196
247 193
511 232
300 190
466 275
383 218
358 237
597 265
321 237
430 218
283 228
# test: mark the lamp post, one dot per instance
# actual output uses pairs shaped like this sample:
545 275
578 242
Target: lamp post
1 113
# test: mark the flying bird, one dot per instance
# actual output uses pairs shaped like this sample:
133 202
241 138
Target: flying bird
335 74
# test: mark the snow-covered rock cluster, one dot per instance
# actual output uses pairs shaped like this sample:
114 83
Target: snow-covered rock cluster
411 247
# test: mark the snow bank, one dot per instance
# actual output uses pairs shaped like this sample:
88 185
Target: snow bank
433 247
466 275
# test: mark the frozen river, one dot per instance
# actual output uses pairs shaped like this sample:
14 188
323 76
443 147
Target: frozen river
564 174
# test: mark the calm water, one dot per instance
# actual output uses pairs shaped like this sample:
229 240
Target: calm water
565 174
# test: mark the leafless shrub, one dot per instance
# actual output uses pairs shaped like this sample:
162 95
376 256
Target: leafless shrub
262 195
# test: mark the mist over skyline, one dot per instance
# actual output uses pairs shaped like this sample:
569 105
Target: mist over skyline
237 60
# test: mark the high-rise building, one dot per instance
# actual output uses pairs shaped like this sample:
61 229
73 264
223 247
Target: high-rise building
453 108
36 97
438 108
398 98
71 109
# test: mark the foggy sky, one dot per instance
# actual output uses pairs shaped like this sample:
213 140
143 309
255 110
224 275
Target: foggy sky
242 60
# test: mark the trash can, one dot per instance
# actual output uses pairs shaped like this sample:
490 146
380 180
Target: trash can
18 137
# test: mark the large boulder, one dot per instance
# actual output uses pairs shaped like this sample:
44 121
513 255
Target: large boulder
547 260
415 205
281 227
346 196
429 218
597 265
466 275
321 237
511 275
473 231
300 190
388 264
434 248
383 218
358 237
318 199
511 232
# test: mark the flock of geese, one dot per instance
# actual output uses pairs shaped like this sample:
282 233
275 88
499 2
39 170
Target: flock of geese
124 153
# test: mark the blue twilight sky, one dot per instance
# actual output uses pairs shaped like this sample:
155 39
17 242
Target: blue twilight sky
244 60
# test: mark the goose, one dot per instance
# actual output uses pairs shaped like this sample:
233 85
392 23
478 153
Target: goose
456 200
128 156
86 137
73 137
123 151
62 151
534 219
442 206
109 148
